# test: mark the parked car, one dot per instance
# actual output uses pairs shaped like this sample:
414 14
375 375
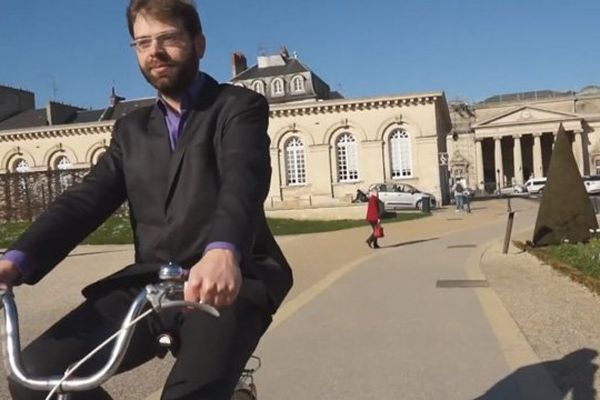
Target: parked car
535 185
514 190
402 195
592 184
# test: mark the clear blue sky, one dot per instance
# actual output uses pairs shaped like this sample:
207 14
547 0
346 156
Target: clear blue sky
472 49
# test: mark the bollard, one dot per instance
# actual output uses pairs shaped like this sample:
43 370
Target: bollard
509 225
508 206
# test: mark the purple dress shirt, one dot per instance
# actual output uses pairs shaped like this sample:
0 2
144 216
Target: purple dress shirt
175 122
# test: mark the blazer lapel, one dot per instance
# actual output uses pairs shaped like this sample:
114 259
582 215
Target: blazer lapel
190 131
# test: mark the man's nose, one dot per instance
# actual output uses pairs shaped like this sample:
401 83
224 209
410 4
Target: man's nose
156 46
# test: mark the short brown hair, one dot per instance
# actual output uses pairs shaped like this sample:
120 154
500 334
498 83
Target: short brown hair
166 11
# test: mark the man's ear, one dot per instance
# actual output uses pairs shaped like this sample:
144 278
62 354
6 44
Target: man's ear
200 45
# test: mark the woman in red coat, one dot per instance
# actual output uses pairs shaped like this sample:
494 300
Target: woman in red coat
373 218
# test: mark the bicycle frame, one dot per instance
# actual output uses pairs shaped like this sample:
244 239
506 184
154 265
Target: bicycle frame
159 296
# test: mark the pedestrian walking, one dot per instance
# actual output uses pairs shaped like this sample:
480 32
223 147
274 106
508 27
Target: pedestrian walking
467 199
373 218
458 190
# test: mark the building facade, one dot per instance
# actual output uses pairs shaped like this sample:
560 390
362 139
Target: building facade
508 139
323 147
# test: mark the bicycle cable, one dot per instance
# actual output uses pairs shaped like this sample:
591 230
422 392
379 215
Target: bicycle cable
72 369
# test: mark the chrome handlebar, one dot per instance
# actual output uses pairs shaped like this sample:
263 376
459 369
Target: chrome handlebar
165 294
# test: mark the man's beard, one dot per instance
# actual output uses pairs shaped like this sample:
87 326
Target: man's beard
180 77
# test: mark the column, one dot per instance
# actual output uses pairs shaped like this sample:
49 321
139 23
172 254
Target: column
578 151
518 159
537 156
499 170
479 178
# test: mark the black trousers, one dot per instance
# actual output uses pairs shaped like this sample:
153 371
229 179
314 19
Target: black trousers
211 355
372 237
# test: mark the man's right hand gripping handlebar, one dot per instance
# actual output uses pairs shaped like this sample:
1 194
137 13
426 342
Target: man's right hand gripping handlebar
215 280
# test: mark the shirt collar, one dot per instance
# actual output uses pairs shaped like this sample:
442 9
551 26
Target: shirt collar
189 97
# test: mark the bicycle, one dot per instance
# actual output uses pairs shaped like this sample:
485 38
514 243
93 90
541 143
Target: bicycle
165 294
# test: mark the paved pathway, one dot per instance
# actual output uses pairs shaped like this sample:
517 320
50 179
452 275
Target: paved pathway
359 323
382 329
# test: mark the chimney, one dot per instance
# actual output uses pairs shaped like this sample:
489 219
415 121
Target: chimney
238 64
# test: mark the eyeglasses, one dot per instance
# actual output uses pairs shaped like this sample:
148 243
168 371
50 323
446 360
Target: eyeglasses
163 39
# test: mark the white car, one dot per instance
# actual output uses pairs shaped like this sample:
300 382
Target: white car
592 184
401 195
535 185
515 190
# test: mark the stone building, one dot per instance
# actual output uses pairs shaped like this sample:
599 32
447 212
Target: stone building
323 147
507 139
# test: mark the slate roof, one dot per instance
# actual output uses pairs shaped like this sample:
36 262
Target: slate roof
25 119
292 66
38 118
527 96
125 107
86 116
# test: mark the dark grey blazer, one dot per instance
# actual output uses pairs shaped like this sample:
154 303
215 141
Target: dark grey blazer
211 188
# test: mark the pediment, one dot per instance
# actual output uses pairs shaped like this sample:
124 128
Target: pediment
527 115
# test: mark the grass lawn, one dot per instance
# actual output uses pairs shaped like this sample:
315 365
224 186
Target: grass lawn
579 261
582 256
116 229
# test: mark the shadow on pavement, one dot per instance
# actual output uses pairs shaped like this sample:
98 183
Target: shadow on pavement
389 246
574 373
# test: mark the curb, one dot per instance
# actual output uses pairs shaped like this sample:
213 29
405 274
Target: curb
536 383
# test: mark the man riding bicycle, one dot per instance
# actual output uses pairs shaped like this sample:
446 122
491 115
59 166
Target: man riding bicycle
195 171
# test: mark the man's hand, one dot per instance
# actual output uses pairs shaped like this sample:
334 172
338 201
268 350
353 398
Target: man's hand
215 280
9 273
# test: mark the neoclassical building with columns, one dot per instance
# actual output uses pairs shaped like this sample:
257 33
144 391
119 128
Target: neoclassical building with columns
508 139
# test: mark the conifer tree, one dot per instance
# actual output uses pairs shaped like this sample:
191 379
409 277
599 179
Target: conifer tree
565 213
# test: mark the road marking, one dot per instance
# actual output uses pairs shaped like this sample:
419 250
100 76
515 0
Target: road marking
461 283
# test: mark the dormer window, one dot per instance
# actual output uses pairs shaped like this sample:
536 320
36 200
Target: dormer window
277 87
298 84
258 87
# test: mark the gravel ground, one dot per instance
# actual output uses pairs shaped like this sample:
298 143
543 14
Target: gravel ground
559 317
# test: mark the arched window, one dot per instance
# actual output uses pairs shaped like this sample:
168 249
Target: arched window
277 89
347 158
62 163
298 84
400 155
294 161
258 87
20 166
